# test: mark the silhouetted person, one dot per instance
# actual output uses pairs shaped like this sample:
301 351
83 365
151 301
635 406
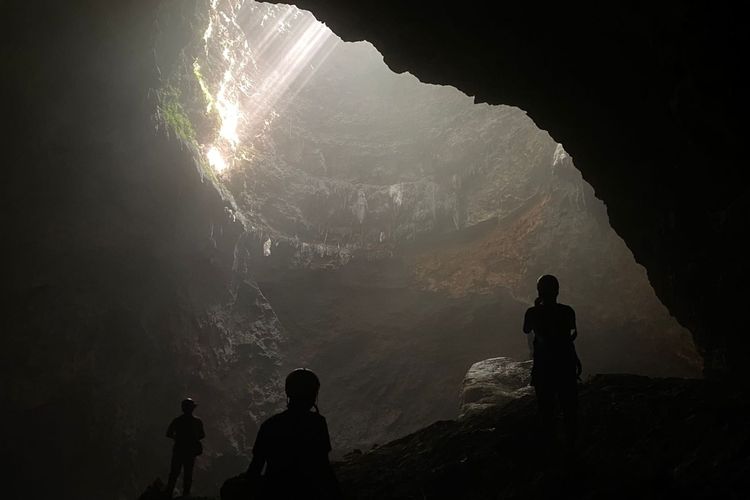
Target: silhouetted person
187 432
293 446
556 365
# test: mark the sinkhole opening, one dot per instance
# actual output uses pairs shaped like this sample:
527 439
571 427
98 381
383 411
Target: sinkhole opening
397 228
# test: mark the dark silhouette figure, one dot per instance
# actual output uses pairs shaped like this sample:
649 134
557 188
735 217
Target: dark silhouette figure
556 366
293 446
187 432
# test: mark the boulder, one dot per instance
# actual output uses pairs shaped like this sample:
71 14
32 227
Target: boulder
494 382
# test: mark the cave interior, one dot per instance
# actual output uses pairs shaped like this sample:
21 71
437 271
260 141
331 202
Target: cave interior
202 195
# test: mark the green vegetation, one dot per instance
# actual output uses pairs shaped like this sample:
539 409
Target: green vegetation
174 115
204 86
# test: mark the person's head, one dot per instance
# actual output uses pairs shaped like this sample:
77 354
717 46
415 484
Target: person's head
188 405
301 388
548 287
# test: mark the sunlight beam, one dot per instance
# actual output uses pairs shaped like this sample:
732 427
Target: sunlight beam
263 70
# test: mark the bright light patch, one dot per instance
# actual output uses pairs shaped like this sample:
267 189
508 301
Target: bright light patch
229 112
215 159
291 67
264 66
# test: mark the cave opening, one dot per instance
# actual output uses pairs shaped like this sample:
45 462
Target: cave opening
396 228
190 215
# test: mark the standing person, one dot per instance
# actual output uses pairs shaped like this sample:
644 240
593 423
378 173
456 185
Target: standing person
187 432
556 365
293 446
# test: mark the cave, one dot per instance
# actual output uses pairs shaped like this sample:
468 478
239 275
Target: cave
203 195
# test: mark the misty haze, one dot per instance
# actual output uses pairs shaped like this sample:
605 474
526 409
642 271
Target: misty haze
252 195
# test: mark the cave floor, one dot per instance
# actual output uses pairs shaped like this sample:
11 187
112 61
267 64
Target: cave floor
639 438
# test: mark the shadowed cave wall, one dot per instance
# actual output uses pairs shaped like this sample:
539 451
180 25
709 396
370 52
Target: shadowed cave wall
127 288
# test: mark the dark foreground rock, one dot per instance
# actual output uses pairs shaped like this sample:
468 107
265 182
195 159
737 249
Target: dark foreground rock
640 438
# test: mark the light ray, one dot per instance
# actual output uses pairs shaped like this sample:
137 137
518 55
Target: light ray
263 69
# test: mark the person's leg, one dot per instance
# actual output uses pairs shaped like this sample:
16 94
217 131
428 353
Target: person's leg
187 478
545 396
569 403
174 473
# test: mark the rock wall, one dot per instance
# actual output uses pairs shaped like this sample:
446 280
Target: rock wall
123 289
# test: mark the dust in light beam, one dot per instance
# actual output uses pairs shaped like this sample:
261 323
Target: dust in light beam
263 63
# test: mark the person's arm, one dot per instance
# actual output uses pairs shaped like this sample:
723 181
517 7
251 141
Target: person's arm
201 432
528 328
256 465
260 454
255 469
573 336
528 324
171 433
573 327
330 482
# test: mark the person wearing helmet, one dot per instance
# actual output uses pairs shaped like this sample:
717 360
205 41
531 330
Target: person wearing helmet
556 367
293 446
187 432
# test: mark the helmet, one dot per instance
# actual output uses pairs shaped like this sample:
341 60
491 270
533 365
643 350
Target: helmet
547 286
302 385
188 404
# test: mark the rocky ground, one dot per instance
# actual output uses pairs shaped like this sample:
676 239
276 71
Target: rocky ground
639 438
